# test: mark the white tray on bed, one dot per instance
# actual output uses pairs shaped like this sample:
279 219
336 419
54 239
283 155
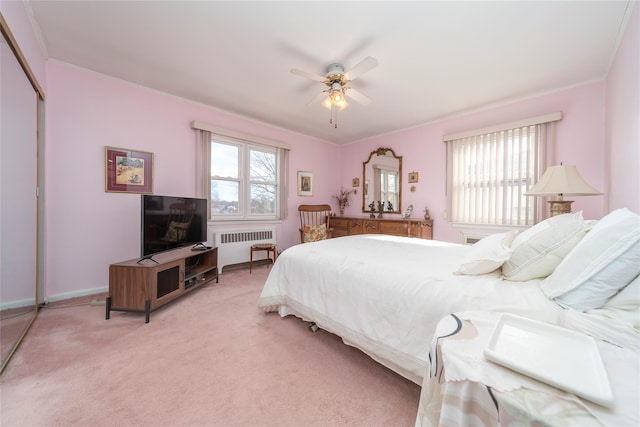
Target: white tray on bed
557 356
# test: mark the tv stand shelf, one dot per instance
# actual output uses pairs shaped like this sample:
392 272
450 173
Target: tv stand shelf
196 275
143 285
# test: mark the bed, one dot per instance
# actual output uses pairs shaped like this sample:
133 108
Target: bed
386 295
388 306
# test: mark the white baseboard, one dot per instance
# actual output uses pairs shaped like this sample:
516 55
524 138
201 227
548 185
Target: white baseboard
76 294
18 304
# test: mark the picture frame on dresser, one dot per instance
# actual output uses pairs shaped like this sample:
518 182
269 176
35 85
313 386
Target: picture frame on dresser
305 183
128 171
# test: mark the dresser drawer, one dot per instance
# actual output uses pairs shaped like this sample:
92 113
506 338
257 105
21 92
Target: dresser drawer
337 222
424 230
339 226
394 228
355 226
370 227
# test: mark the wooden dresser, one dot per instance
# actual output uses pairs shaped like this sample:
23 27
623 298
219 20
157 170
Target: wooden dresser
346 225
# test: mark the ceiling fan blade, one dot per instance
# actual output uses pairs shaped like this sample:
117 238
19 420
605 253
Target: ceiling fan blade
359 97
318 98
308 75
362 67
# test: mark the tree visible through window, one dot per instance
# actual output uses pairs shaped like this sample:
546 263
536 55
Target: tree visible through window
263 182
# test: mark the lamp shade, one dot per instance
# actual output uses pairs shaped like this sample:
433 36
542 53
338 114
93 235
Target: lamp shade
562 180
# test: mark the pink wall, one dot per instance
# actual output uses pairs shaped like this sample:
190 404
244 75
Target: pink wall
623 120
87 228
580 141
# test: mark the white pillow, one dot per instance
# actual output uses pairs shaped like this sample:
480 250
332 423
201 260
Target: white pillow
606 260
539 249
595 291
487 254
628 298
624 306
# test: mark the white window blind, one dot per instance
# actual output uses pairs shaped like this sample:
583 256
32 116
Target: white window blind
489 170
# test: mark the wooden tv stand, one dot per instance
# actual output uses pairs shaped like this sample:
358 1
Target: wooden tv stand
142 285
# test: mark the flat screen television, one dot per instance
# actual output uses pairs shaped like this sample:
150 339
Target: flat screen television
169 222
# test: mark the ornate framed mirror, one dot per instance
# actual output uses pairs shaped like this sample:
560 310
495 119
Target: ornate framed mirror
382 181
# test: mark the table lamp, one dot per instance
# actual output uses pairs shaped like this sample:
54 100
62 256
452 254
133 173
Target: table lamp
563 180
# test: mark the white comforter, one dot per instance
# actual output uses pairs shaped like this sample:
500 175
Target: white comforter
386 294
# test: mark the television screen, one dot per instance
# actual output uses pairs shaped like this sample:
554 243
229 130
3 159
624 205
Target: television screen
170 222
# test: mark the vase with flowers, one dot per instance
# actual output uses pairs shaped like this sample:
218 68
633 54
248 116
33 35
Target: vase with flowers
343 199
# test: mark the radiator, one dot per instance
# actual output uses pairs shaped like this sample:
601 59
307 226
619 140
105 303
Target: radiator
233 245
471 238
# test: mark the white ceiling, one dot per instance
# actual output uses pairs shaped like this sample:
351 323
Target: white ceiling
436 59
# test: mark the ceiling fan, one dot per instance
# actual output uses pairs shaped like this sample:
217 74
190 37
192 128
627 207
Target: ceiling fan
336 80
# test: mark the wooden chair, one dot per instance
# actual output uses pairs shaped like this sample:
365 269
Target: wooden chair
312 215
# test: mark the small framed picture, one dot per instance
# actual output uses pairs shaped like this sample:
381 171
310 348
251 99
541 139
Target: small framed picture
413 176
305 183
355 182
128 171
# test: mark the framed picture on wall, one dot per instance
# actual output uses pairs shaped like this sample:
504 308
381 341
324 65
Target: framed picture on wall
413 176
305 183
128 171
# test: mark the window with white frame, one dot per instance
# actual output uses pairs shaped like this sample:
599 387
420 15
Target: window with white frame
490 170
243 178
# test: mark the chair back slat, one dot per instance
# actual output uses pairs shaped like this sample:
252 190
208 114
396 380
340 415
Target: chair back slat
313 215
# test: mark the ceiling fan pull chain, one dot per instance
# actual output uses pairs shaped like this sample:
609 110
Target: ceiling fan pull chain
333 116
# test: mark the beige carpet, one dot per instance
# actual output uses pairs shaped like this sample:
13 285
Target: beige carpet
211 358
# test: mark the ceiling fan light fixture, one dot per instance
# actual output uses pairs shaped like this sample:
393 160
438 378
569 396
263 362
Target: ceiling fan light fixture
335 102
337 98
336 81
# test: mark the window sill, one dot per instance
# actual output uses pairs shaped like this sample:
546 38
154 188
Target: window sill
244 222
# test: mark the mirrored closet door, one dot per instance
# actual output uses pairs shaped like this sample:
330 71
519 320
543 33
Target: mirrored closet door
21 99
